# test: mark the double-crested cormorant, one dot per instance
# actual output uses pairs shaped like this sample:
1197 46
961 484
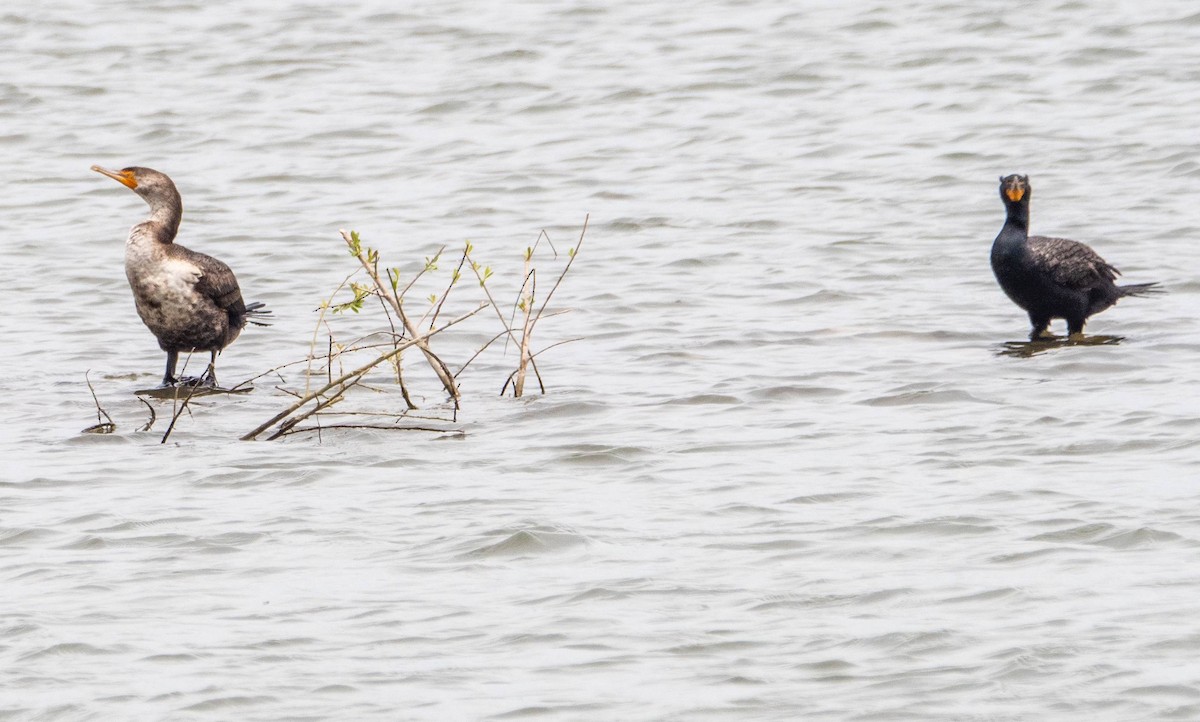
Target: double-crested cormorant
1051 277
189 301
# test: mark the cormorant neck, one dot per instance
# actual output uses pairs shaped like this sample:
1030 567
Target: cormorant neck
165 214
1018 215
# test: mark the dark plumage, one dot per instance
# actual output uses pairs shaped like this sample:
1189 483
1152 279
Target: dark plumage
1051 277
189 301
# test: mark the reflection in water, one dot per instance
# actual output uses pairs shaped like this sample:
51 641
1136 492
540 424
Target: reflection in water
1025 349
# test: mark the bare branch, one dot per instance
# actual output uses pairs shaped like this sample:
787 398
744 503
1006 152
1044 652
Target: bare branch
356 373
526 332
439 367
318 429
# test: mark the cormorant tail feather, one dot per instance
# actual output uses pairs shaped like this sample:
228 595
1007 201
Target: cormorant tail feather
256 309
1141 289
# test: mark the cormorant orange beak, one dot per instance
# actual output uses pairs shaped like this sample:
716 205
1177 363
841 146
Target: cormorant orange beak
1014 194
124 177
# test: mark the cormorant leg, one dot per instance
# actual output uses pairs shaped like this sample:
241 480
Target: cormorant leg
210 374
1039 327
169 376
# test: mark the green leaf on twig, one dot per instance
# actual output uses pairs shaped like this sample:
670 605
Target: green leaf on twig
431 263
361 291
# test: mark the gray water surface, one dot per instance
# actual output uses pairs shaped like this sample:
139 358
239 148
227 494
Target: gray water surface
789 473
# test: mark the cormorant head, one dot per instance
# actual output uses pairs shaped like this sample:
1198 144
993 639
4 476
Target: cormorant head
1015 188
152 186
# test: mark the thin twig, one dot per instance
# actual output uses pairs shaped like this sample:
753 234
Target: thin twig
454 277
387 312
528 261
537 373
561 276
320 406
101 426
268 372
310 359
404 387
182 407
398 360
320 320
481 350
178 408
492 302
507 381
153 415
560 343
428 264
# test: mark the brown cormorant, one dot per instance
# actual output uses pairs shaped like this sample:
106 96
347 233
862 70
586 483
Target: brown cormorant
1051 277
189 301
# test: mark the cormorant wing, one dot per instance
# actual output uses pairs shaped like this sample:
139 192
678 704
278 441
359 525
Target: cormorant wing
1071 263
218 283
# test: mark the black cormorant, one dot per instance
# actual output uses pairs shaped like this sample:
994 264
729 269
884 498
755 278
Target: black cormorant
1051 277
